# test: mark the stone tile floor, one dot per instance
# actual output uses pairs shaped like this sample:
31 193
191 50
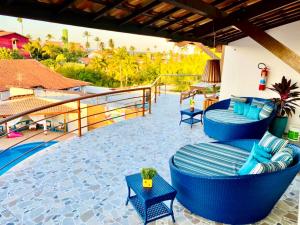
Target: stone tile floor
81 180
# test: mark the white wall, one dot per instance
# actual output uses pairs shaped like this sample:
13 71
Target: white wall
240 74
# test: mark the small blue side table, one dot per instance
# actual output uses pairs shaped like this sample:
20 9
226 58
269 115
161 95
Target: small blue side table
149 202
191 114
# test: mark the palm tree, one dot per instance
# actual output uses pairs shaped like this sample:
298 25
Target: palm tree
87 35
132 49
97 40
49 37
20 20
102 46
111 43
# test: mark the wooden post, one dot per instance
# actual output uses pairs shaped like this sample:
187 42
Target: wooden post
282 52
150 101
79 118
143 102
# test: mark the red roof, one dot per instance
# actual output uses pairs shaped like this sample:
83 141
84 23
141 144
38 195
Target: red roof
29 73
4 33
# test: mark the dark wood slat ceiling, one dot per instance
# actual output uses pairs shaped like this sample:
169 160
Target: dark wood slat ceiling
177 20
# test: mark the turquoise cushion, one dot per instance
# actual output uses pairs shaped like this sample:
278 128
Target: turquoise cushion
273 142
238 108
266 111
235 107
246 109
279 161
259 154
241 108
253 113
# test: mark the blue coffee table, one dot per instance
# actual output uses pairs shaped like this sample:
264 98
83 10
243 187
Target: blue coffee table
191 114
149 202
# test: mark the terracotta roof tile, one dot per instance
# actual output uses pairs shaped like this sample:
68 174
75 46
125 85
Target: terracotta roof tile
29 73
12 107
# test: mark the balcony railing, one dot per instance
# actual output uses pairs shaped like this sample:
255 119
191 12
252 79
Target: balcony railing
83 113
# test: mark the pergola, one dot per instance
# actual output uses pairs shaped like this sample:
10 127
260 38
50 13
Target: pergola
208 21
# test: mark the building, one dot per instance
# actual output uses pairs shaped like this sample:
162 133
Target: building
31 74
13 41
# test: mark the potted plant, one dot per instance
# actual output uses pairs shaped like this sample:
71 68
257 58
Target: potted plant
147 175
286 104
192 105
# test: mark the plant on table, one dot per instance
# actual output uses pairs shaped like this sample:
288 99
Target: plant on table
286 104
147 175
192 104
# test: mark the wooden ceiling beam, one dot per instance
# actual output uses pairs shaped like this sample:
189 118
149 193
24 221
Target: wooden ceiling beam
38 11
254 10
278 49
160 16
107 8
139 12
198 7
65 5
175 21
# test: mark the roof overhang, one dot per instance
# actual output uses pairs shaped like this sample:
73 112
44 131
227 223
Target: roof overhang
177 20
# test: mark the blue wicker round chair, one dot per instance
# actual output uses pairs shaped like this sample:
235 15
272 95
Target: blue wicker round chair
233 199
230 131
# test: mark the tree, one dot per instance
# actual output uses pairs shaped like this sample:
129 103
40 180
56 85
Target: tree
132 49
87 35
20 20
102 46
49 37
5 53
97 40
111 44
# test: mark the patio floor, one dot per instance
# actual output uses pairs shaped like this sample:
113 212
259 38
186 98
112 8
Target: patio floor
81 180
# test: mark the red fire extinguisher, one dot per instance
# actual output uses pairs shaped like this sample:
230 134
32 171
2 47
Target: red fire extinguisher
264 74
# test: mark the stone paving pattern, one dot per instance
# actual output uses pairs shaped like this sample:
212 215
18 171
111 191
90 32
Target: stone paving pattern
81 180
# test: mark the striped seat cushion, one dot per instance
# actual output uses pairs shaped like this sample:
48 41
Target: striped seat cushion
227 116
210 159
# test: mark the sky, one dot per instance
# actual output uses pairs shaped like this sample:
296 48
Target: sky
40 29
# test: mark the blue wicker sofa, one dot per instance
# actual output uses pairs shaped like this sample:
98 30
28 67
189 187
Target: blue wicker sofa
223 125
220 195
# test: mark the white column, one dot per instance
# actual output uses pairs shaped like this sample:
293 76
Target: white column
45 126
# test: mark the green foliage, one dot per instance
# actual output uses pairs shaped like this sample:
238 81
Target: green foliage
6 53
148 173
119 67
286 103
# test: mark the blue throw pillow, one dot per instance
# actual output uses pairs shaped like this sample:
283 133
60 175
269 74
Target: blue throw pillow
259 154
253 113
235 107
266 111
241 108
246 109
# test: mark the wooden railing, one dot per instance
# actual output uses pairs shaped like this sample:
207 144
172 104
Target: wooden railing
142 98
158 82
138 100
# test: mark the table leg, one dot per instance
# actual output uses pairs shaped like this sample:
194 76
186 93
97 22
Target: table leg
192 121
146 214
171 208
201 118
128 197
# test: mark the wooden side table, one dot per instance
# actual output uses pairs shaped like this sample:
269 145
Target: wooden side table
149 202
